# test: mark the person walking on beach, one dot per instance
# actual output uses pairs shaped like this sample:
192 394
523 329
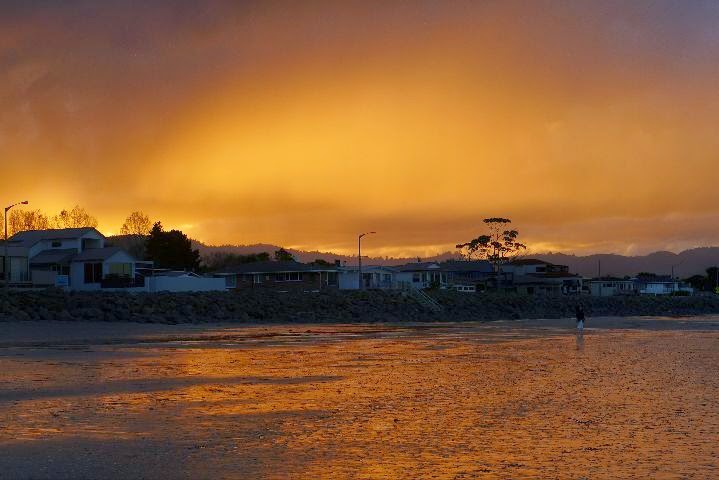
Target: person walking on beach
580 318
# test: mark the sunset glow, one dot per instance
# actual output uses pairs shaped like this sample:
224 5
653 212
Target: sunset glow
593 127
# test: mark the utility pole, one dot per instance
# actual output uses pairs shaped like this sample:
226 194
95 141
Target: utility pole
6 263
359 258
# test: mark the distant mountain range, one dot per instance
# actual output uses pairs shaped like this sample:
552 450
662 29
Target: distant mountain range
687 263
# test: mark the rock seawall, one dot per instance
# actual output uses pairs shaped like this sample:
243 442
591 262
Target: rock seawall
259 306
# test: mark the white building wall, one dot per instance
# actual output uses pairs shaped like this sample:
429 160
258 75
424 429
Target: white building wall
77 278
348 280
184 284
65 243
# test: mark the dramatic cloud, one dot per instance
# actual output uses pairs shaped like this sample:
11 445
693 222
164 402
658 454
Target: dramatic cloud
591 124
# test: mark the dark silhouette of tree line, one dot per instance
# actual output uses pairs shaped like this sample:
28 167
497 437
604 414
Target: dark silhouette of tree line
706 283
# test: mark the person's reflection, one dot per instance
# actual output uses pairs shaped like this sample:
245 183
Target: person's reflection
580 340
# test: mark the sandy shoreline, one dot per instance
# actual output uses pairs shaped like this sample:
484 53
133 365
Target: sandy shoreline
28 333
632 397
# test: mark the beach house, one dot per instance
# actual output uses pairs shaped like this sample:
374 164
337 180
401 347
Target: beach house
374 277
280 275
531 276
71 258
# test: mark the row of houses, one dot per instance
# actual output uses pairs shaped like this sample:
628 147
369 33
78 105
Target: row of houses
639 285
523 276
79 259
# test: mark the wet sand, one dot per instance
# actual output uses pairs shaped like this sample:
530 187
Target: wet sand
632 398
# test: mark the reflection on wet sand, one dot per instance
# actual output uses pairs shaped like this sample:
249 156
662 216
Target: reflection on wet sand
462 401
580 341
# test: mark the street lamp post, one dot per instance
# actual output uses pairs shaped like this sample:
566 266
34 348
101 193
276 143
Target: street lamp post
678 264
6 264
359 257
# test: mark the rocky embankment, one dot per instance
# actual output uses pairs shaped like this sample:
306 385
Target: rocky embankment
344 306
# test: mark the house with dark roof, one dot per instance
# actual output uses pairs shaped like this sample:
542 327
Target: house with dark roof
536 277
610 286
72 258
449 274
282 276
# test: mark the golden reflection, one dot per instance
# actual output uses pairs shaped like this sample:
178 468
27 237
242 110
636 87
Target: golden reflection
384 403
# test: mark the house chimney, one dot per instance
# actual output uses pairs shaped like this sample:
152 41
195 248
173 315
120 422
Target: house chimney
338 263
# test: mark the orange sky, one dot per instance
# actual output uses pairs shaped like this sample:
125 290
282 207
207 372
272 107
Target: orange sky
593 125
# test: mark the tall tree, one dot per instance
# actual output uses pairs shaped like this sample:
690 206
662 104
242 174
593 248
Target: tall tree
171 249
24 220
75 218
321 262
499 245
283 255
137 223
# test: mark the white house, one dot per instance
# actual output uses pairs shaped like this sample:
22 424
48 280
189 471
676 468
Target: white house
461 275
373 277
73 258
420 275
180 281
78 259
661 285
610 286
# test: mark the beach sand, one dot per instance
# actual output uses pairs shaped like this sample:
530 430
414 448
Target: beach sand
632 397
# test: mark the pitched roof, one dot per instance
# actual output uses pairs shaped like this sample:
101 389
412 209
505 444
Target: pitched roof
276 267
367 268
467 266
552 275
448 266
29 238
97 254
418 267
55 255
529 261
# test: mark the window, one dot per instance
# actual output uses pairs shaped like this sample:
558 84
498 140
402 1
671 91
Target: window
288 277
61 269
56 244
257 278
93 272
415 277
120 269
231 281
331 278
